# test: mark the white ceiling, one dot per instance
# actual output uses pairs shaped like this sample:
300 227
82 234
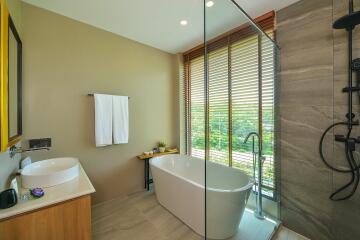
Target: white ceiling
156 22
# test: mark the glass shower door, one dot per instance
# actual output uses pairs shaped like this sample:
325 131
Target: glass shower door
240 92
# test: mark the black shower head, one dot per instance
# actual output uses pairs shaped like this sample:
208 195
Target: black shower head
348 21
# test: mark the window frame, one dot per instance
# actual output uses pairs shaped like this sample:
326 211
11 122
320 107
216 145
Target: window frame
267 23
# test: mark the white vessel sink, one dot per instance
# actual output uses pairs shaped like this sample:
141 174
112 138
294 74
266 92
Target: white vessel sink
49 172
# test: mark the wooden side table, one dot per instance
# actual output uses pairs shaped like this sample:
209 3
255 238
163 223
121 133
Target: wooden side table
146 158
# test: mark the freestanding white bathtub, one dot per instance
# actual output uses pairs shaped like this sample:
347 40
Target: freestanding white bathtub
179 187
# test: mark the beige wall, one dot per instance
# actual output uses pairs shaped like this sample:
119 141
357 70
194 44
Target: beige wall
64 60
14 7
9 166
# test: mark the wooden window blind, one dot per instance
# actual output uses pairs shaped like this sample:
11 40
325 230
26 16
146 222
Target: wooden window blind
218 106
241 98
245 99
197 107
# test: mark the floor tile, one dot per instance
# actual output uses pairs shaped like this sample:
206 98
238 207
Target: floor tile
139 216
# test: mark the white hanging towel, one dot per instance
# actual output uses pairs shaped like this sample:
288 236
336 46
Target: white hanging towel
103 119
120 119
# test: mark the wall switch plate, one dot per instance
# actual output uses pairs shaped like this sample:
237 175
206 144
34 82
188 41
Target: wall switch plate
40 143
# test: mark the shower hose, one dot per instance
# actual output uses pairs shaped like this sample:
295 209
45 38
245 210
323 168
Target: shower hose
354 168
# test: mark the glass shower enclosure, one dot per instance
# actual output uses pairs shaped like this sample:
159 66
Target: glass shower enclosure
240 85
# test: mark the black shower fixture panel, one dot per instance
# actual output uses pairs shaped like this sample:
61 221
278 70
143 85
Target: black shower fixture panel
347 22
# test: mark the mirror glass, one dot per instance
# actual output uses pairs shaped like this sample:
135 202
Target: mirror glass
14 82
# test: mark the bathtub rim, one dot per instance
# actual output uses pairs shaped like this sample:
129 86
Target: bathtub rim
249 185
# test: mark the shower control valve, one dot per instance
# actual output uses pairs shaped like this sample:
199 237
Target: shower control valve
356 65
351 142
340 138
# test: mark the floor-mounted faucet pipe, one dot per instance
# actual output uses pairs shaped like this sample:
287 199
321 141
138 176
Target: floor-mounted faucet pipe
259 209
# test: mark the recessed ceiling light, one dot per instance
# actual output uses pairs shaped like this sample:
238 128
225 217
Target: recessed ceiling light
210 3
183 22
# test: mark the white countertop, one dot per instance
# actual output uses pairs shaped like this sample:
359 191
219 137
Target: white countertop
77 187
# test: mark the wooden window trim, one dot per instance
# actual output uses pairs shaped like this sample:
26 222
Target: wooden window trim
265 22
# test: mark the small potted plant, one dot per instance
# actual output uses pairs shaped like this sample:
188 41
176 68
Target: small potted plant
162 146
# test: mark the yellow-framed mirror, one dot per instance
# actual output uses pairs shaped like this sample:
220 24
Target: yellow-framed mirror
10 81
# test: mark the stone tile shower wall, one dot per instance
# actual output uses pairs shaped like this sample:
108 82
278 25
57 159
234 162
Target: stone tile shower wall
313 72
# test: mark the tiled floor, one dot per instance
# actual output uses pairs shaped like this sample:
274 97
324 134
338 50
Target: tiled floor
286 234
140 217
252 228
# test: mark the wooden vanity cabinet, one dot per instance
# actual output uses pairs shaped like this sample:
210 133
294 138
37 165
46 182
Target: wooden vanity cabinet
69 220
